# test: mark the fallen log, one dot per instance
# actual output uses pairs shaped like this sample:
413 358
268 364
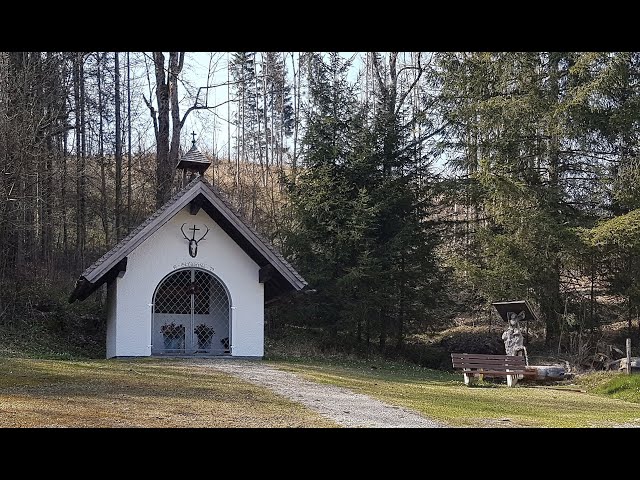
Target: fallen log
548 372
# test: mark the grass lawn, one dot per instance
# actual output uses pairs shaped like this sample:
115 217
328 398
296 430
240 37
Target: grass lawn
443 396
138 393
154 392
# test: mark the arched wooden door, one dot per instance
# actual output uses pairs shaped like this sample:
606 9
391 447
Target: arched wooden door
191 315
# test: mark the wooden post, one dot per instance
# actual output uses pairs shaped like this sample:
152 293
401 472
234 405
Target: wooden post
628 356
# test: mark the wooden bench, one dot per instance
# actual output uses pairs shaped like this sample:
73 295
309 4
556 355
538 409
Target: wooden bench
475 365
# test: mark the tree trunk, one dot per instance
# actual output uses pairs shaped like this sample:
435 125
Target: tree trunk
129 220
367 331
164 175
48 197
80 159
383 329
63 201
104 211
118 180
296 110
267 144
551 290
400 333
176 62
228 111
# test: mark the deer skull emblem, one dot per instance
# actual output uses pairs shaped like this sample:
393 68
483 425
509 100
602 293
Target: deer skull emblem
193 243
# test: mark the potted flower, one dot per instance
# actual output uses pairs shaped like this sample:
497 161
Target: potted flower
205 335
173 336
225 344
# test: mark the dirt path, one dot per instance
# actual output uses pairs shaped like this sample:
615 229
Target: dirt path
347 408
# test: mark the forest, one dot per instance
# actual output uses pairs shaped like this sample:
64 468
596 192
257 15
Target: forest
410 189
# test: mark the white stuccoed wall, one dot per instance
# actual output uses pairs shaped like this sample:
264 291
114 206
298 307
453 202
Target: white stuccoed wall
129 332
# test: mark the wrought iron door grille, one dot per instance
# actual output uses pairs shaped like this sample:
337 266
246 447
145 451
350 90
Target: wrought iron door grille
202 283
191 315
173 294
219 299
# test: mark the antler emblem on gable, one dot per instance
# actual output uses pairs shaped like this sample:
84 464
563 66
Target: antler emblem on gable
193 243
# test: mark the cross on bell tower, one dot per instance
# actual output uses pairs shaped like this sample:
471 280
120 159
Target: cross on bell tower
193 163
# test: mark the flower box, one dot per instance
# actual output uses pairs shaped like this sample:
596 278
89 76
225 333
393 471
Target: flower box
205 335
173 336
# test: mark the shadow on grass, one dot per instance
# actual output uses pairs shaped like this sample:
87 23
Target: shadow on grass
100 378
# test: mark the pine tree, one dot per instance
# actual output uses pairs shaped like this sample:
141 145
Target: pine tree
329 208
527 137
503 108
364 237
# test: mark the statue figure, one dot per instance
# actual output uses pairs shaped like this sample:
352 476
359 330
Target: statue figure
512 337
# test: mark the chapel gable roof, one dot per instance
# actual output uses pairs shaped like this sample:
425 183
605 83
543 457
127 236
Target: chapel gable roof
278 275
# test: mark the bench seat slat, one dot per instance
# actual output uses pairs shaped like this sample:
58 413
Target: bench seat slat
501 373
473 362
476 362
489 373
488 369
490 366
488 358
476 359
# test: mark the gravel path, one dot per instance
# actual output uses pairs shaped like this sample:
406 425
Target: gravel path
347 408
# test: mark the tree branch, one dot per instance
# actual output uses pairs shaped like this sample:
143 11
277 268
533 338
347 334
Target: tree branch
199 107
412 86
422 138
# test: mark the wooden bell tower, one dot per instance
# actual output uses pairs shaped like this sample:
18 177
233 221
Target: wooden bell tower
192 163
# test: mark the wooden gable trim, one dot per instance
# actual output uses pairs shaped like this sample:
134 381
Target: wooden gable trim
195 205
265 273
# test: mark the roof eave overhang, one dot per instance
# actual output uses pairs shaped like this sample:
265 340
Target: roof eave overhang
84 287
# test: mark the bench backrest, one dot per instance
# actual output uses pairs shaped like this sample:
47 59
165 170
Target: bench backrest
493 362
